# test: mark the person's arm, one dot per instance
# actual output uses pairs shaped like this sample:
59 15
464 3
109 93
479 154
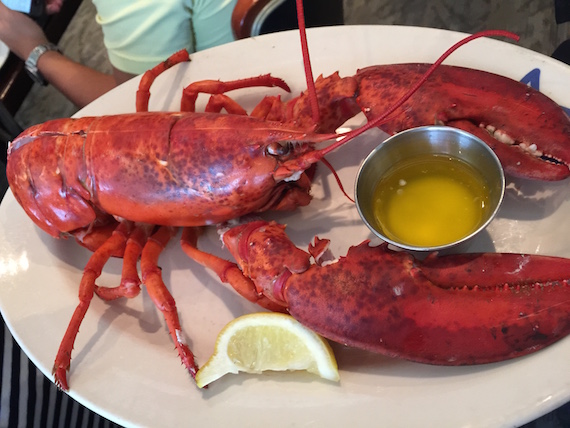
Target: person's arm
77 82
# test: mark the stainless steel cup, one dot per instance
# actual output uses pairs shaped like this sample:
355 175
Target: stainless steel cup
436 140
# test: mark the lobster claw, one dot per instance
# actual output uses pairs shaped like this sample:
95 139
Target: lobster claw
529 132
451 310
443 311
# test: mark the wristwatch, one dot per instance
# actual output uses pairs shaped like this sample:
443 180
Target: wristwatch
31 63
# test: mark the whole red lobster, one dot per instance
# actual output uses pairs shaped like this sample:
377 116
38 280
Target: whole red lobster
109 188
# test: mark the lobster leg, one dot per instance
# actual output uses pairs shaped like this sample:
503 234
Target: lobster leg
91 272
152 278
220 101
227 271
130 281
216 87
134 238
93 237
143 93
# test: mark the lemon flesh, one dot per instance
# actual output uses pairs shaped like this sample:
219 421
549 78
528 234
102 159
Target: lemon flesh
268 341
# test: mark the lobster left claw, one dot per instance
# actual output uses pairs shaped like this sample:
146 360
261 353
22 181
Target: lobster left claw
528 131
451 310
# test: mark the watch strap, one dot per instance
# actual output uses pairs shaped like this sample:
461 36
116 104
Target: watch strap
31 63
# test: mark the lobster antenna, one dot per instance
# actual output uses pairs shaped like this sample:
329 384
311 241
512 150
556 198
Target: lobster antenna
337 178
307 63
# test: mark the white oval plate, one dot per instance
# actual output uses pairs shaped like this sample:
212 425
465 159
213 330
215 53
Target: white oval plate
4 51
124 365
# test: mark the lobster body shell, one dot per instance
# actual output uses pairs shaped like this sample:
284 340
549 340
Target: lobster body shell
191 169
174 169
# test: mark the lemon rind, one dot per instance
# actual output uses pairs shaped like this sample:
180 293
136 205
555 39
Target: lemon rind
218 365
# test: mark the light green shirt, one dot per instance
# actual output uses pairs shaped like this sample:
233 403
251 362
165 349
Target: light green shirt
139 34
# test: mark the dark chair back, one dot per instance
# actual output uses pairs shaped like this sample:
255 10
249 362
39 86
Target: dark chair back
255 17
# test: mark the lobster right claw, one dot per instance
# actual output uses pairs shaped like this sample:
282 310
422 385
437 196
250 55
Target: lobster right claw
388 302
451 310
529 132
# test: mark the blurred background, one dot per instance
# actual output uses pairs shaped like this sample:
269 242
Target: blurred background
533 20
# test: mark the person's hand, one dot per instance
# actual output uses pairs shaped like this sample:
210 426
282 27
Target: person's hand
21 33
53 6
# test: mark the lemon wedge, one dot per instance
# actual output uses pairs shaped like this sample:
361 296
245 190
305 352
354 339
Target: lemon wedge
268 341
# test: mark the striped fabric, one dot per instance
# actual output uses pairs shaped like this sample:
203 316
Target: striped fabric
28 399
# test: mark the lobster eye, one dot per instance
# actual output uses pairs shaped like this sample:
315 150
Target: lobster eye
278 149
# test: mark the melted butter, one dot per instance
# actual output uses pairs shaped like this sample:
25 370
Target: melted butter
431 200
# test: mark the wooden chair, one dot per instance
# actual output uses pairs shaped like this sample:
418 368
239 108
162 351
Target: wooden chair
255 17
